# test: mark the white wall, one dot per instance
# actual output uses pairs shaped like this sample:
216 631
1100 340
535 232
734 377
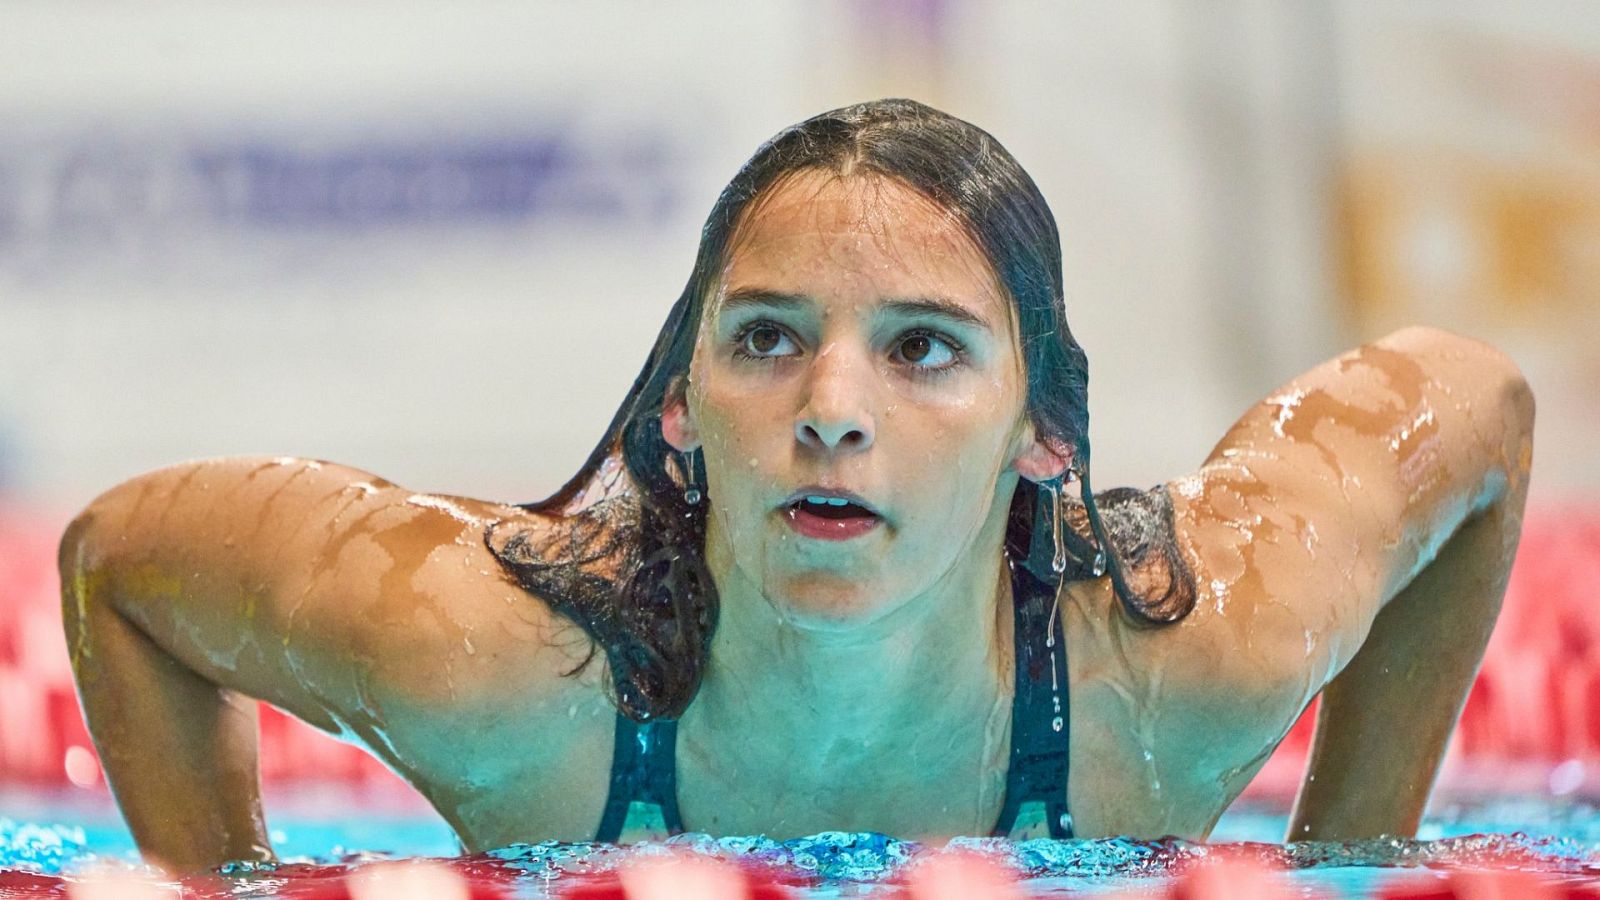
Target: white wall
154 309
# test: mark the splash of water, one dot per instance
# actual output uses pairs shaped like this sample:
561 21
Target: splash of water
837 858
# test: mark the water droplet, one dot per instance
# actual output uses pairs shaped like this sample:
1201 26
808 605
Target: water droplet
81 766
1567 777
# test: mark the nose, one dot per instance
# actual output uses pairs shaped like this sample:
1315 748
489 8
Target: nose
836 416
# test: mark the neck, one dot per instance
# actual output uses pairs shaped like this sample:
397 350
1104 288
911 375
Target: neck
930 679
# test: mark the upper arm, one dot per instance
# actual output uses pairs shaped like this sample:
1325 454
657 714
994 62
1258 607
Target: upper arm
310 585
211 560
1326 499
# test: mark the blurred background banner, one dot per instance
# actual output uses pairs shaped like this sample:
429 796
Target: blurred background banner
435 242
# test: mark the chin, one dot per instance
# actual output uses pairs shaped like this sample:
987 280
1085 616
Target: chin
828 601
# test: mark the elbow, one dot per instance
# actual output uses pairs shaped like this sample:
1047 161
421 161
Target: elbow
1518 436
1498 404
74 541
95 545
80 553
1509 391
1510 411
1506 429
85 545
1519 400
75 560
1497 381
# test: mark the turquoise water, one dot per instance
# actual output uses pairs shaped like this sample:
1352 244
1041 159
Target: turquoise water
44 837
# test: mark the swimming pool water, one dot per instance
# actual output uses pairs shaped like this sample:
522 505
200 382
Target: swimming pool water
60 835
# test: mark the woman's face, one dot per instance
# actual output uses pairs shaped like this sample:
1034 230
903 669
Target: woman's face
857 346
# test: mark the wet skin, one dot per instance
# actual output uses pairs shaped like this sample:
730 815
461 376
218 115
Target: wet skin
1351 534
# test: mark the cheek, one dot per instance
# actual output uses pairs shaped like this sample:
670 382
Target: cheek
950 465
744 441
734 416
957 431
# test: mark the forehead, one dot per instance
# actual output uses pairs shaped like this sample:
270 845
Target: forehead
852 236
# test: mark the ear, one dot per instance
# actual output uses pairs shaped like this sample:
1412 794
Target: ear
677 426
1042 459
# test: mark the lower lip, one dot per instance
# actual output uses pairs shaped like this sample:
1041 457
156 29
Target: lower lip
828 529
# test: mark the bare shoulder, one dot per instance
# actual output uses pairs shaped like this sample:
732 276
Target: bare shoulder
1324 499
1317 506
325 589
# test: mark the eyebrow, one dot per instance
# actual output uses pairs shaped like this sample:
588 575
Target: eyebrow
935 307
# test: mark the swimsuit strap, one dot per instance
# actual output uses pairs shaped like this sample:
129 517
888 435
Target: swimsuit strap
644 784
1036 780
644 780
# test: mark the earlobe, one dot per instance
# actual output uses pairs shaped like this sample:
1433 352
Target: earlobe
677 427
1043 460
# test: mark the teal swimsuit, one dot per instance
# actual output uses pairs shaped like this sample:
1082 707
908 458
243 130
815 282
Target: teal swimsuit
644 792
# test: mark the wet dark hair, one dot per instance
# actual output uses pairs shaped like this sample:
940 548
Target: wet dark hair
627 560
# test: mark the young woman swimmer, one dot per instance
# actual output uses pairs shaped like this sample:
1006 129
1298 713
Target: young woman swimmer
836 564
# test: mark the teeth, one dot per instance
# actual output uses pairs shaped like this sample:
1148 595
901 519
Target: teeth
830 501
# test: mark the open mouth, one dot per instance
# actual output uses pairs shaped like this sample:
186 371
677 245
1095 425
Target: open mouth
829 518
830 508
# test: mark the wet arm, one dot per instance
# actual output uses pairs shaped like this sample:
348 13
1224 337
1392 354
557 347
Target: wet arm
1386 718
178 750
176 596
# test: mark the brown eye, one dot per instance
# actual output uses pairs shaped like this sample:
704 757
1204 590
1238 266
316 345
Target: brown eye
764 340
916 347
925 351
